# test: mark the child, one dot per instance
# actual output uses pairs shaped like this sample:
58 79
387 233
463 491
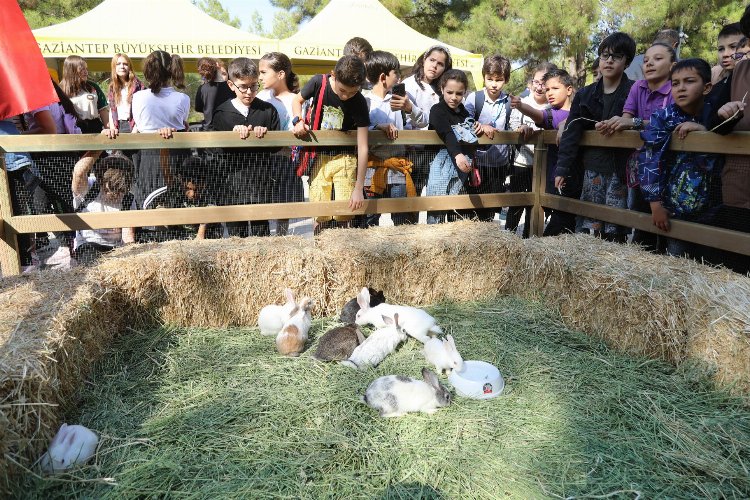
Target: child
491 108
280 86
604 168
110 192
188 188
595 70
645 97
389 175
559 90
678 184
248 169
450 169
342 108
728 42
521 177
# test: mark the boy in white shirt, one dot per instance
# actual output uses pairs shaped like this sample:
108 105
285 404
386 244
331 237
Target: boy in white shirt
389 171
491 107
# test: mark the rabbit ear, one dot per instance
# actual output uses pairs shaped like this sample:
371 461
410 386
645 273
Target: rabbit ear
70 439
395 319
289 295
363 299
388 321
60 436
451 342
430 377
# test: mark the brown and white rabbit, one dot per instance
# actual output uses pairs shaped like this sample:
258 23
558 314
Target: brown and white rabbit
291 339
338 343
396 395
272 317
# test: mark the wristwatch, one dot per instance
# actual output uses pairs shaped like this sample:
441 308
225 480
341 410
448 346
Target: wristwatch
296 120
637 123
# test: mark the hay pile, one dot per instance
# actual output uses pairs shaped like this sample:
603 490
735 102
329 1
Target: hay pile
419 264
53 327
206 413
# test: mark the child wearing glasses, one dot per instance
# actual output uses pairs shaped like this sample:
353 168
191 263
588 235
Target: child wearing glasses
596 174
246 171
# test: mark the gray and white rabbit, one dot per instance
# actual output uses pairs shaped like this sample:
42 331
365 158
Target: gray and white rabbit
396 395
337 344
443 354
291 339
349 311
378 345
415 322
272 317
72 445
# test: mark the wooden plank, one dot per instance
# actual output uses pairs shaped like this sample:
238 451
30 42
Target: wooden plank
175 216
735 143
723 239
10 258
538 186
186 140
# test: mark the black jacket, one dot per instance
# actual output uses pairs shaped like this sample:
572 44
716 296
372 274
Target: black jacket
588 103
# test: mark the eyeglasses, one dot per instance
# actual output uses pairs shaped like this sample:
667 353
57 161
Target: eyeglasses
738 55
245 88
613 57
537 83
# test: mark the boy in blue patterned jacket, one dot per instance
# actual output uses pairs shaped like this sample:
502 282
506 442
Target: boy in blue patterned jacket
677 184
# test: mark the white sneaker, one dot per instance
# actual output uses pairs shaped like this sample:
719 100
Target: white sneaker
60 259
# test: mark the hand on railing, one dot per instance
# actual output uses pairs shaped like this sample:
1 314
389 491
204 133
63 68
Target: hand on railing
244 131
112 133
684 128
390 130
167 132
614 124
487 130
660 216
525 131
301 129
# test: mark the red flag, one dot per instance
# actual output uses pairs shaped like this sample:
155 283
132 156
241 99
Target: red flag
24 81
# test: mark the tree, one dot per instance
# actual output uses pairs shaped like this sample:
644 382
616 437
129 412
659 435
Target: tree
284 25
525 30
215 9
41 13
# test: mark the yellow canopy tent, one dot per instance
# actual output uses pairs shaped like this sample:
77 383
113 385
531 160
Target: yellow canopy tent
320 42
138 27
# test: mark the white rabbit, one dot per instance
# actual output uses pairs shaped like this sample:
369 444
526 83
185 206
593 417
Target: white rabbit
377 346
272 318
72 445
291 339
415 322
396 395
443 354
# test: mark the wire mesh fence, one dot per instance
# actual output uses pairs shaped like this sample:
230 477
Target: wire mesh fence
198 175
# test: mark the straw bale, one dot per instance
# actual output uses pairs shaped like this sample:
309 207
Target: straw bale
218 283
635 300
418 264
720 336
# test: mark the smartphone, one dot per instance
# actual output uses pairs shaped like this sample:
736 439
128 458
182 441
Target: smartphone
399 89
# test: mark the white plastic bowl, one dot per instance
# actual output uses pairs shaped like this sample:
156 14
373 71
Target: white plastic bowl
477 380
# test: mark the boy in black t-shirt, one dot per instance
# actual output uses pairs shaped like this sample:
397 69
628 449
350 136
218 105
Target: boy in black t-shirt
246 171
343 108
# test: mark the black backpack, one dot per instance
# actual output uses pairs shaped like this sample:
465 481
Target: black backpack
478 105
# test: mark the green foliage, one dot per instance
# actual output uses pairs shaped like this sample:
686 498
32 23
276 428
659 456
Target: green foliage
215 9
41 13
284 25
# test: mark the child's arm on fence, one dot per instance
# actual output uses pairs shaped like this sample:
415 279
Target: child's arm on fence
80 184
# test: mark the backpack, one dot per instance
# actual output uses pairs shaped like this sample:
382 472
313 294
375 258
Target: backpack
307 154
512 149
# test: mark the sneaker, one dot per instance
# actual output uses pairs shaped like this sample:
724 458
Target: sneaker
60 259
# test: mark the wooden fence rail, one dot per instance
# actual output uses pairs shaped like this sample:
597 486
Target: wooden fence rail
11 225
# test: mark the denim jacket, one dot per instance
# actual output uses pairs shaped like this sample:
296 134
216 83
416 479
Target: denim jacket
686 183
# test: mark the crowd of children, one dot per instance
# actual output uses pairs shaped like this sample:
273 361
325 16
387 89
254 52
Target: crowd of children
364 92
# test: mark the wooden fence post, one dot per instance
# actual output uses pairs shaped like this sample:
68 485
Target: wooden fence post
10 261
538 186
